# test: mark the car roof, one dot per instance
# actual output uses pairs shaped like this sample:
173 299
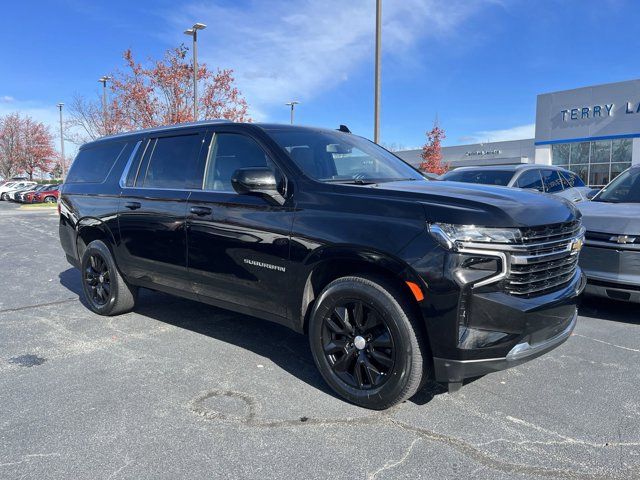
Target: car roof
510 168
206 123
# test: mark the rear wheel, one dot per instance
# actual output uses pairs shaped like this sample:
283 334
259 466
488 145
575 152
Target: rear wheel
105 291
50 199
366 343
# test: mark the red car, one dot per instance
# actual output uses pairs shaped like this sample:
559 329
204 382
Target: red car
49 195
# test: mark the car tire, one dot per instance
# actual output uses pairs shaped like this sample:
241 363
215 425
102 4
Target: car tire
50 199
366 342
105 291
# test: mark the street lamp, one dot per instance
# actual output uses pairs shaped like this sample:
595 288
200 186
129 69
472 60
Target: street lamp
193 32
376 101
104 79
63 161
292 104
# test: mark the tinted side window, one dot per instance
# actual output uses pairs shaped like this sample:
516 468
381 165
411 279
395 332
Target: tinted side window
530 179
552 181
92 165
572 180
228 153
171 162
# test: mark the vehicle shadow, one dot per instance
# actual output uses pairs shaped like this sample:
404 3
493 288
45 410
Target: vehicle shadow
606 309
284 347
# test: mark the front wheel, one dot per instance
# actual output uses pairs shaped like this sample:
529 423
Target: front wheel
105 291
50 199
366 342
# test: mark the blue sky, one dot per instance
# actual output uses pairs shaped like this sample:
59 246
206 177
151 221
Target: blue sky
477 64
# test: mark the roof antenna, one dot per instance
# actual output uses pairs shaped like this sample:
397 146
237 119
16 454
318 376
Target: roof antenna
344 128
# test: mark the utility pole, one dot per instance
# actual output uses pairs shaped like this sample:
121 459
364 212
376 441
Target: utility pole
193 32
292 104
376 102
63 159
104 79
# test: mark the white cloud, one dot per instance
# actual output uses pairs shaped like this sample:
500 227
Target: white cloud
514 133
6 99
297 49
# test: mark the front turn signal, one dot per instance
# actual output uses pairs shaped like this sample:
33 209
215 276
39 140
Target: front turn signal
416 290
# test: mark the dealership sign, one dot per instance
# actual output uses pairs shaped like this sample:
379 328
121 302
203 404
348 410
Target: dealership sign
605 110
481 153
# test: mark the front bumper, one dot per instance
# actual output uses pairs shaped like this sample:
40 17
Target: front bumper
455 371
612 271
505 331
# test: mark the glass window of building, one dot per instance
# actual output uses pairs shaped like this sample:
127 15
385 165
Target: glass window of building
581 170
596 162
621 150
580 152
601 151
599 174
560 154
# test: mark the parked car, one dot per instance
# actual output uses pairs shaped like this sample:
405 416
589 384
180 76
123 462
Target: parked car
48 195
543 178
25 196
18 195
7 193
611 257
393 278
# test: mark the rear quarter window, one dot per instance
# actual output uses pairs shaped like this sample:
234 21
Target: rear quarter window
92 165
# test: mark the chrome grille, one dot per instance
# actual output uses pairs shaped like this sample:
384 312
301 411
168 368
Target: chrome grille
545 261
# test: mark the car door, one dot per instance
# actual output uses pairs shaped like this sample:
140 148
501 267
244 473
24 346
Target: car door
152 209
238 245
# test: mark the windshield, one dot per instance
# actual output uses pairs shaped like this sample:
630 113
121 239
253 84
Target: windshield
342 157
486 177
624 189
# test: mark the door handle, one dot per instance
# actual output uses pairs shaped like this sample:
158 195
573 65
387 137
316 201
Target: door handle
200 211
132 205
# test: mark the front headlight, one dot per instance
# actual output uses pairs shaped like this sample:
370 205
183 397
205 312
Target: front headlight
449 235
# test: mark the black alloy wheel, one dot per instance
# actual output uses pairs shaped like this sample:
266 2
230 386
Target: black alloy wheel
366 340
98 279
358 344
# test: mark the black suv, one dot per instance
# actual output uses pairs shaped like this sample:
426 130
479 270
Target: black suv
395 279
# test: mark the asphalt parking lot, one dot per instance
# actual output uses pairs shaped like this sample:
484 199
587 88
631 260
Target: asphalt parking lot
178 389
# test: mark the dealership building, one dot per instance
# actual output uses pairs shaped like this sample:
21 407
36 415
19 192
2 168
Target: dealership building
593 131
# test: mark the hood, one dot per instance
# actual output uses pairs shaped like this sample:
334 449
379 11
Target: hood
615 218
474 204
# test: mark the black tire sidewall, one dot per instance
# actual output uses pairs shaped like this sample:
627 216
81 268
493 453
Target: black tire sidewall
396 320
98 247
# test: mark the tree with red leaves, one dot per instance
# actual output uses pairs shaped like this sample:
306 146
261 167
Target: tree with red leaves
432 152
10 144
160 93
26 146
38 151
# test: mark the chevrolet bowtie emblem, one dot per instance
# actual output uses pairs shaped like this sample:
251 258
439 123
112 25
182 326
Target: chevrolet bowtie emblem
622 239
577 245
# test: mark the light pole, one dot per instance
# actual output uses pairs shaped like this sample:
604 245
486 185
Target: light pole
193 32
376 101
292 104
104 79
63 160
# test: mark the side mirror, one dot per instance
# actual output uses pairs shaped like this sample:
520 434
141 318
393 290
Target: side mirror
259 181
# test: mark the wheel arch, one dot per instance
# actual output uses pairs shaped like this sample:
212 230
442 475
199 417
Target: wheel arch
327 264
89 229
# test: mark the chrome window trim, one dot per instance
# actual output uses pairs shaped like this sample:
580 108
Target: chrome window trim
125 173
